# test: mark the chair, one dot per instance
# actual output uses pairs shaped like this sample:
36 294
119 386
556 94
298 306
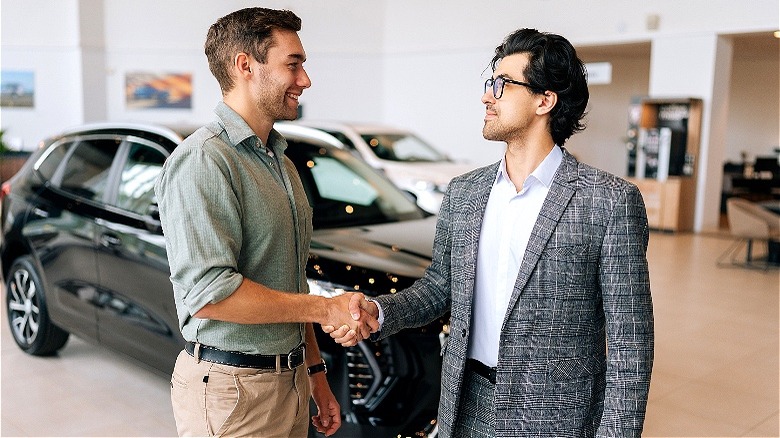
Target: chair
750 222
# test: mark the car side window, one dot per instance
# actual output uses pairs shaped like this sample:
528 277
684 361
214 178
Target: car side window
340 136
337 182
86 172
49 163
136 181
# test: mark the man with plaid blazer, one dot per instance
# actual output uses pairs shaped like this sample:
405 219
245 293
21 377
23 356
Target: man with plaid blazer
541 262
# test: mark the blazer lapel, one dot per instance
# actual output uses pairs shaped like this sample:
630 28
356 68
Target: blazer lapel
561 191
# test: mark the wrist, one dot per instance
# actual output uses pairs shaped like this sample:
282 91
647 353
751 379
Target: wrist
316 369
374 308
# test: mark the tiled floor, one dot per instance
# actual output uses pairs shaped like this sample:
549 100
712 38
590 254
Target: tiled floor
716 368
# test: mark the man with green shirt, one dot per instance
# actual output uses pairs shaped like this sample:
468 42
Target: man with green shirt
237 225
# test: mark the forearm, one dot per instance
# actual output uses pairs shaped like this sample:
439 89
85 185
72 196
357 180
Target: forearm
254 303
313 356
415 306
628 310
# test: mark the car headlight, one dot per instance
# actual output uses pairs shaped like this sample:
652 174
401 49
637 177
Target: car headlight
326 288
429 186
424 186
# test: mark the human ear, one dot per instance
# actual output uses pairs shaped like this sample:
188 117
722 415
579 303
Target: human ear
547 102
242 64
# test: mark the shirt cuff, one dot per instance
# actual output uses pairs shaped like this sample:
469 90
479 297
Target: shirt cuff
381 318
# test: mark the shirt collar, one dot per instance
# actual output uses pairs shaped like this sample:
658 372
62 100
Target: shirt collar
544 172
239 132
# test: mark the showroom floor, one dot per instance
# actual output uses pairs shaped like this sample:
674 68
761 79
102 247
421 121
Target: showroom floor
715 374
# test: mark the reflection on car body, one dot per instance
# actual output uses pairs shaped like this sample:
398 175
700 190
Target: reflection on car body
83 254
409 162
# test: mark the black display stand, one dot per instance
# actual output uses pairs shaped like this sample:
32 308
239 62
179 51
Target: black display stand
663 145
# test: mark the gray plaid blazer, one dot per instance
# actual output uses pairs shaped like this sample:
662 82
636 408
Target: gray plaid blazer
583 286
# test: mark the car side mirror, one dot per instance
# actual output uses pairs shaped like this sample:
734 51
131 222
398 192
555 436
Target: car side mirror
153 211
152 219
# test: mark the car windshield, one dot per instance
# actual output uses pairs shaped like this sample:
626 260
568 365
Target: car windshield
402 147
344 191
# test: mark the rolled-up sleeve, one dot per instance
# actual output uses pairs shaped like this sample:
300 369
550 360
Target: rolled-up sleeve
200 216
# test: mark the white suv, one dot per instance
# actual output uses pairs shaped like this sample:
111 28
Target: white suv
412 164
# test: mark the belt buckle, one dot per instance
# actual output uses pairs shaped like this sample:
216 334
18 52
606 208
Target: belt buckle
295 351
289 360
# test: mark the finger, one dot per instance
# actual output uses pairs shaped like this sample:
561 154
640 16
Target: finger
328 328
365 331
365 305
340 333
355 305
315 420
351 336
333 427
373 324
347 341
325 420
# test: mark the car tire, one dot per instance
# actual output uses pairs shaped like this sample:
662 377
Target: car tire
28 317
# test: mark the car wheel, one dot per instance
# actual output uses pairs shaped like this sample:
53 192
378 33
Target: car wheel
28 318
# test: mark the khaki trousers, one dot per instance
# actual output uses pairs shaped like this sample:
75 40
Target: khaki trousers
211 399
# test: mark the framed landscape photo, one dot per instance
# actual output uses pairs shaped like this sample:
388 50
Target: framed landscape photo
17 89
148 90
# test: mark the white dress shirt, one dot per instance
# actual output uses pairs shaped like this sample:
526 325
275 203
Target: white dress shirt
509 218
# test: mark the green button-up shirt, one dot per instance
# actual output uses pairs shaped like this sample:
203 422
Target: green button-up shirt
228 214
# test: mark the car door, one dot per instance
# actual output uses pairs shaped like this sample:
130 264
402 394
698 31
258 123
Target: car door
61 226
137 315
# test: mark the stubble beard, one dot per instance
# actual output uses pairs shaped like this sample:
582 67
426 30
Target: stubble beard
268 101
493 131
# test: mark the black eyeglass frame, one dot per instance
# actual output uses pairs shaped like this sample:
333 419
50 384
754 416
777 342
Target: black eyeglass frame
493 83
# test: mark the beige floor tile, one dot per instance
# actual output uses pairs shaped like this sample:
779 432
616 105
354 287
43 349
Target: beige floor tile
715 373
767 428
666 421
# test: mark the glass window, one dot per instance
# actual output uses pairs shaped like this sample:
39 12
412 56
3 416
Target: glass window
337 182
340 136
52 159
344 190
136 182
402 147
86 172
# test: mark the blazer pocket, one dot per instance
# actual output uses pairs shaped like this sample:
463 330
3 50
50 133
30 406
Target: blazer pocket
566 252
575 368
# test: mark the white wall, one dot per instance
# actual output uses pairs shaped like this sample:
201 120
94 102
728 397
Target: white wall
603 142
754 98
342 40
406 62
55 58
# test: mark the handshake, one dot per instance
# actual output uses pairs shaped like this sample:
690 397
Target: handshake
351 318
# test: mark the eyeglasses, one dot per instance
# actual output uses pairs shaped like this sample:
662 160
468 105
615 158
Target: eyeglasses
498 85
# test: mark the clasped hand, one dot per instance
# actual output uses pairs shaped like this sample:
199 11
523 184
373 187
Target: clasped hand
354 318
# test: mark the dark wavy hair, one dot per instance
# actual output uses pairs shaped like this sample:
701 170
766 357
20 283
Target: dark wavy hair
553 65
247 30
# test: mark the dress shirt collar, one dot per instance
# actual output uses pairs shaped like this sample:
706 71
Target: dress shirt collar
544 172
238 131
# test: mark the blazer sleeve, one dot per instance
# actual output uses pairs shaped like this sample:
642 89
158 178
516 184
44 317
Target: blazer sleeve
429 297
628 309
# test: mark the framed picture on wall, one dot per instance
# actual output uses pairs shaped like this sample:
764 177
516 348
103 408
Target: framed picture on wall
17 89
148 90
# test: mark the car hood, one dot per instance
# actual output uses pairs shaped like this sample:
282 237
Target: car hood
439 173
401 248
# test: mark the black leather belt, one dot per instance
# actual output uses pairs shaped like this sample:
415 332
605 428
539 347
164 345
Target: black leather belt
277 362
480 368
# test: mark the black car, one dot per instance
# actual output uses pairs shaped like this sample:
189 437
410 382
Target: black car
83 253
